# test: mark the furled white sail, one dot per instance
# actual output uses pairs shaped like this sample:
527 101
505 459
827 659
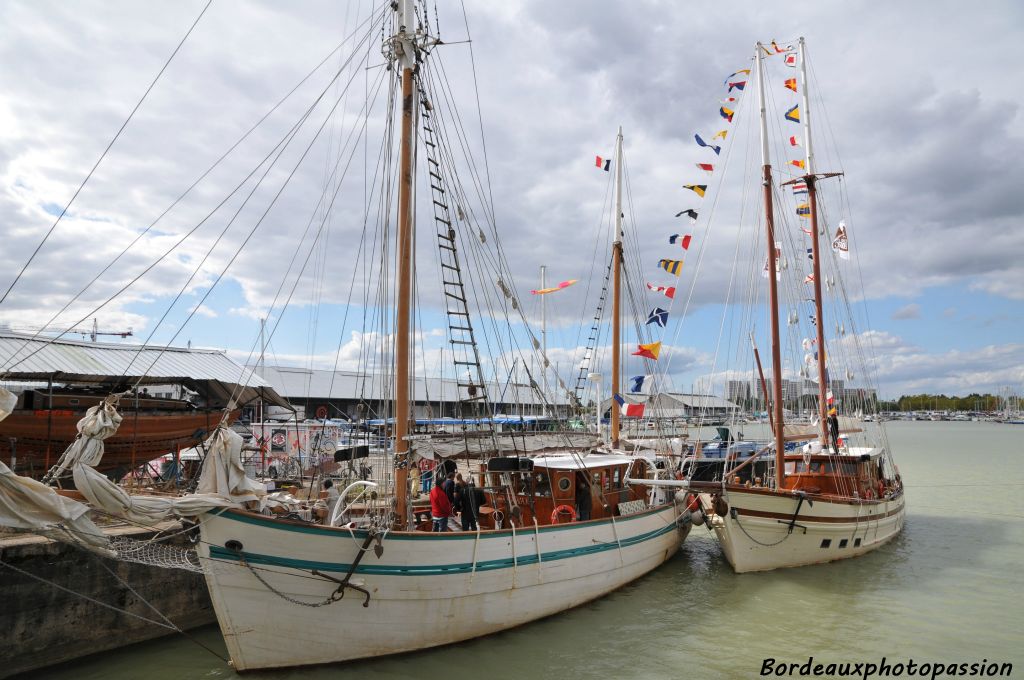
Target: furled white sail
33 506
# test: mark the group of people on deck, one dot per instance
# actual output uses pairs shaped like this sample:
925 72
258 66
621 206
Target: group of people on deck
454 496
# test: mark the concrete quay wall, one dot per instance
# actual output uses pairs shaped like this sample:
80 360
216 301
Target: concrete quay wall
41 625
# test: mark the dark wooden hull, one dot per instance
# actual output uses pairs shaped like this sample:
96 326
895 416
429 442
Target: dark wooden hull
37 438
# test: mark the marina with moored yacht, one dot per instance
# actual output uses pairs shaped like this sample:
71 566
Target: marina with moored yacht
477 475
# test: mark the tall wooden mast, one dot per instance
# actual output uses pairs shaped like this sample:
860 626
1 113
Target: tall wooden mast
812 201
616 286
404 43
773 286
544 342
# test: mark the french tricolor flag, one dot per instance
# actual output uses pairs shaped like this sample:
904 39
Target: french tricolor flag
629 410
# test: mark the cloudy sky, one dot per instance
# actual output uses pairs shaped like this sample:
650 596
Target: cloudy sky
923 116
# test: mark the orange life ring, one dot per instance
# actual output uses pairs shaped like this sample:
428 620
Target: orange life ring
563 508
321 412
693 504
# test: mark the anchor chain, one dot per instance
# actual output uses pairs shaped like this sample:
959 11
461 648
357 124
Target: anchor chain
336 595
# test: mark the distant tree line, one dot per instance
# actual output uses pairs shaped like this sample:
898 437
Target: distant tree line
940 402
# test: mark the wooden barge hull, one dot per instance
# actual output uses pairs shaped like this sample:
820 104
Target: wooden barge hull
35 439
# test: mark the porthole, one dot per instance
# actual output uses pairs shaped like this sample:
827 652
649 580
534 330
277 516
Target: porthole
856 543
564 483
826 542
843 543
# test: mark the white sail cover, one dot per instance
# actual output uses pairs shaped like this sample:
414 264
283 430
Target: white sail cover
507 444
7 403
100 422
222 483
223 473
33 506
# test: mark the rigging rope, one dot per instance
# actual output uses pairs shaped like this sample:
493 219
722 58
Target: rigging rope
104 154
176 201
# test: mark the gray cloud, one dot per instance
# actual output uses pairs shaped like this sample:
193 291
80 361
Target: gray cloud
932 155
911 311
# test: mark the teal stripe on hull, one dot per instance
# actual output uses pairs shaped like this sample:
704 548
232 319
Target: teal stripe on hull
269 522
218 552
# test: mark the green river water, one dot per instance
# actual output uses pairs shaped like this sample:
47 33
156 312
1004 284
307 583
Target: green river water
949 589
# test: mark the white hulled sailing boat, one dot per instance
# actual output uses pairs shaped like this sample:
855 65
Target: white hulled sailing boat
383 583
557 525
810 494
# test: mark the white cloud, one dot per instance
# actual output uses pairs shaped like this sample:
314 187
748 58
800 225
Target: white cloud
927 209
203 310
902 368
911 311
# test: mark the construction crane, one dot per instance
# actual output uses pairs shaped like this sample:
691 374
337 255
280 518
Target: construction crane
95 332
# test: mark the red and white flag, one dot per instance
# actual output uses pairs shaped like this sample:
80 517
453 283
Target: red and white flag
667 291
633 410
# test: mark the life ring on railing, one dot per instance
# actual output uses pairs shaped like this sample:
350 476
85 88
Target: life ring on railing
693 504
321 412
560 509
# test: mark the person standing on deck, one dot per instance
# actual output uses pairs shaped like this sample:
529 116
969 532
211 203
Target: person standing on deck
471 498
440 509
448 484
426 467
583 500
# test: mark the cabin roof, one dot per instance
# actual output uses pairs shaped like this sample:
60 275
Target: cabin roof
851 454
209 372
675 404
593 460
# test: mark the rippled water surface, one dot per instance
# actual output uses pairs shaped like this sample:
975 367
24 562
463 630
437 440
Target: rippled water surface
949 589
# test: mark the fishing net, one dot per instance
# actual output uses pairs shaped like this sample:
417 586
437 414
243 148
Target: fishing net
156 554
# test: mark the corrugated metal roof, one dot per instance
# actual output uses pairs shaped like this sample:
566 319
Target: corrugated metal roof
302 383
673 404
696 401
23 357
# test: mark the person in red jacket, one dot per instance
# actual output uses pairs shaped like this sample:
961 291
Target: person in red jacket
440 508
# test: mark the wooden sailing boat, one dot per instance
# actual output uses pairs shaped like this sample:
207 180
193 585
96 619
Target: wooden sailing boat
64 378
783 506
290 593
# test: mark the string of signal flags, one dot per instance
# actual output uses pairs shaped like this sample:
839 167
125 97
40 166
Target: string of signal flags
735 85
